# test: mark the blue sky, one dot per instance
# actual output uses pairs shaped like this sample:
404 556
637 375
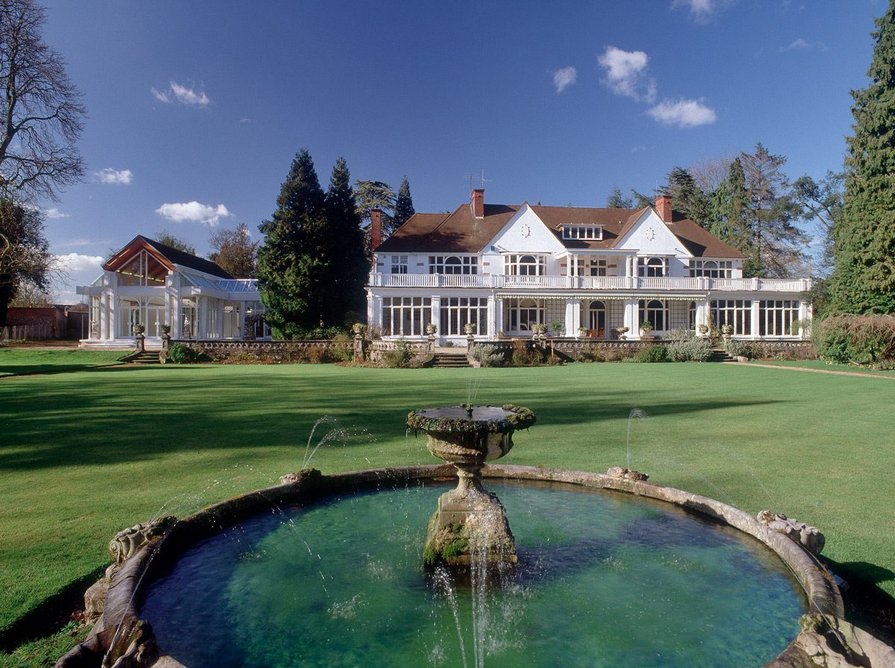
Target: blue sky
196 108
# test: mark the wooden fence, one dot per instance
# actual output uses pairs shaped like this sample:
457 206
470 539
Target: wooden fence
40 332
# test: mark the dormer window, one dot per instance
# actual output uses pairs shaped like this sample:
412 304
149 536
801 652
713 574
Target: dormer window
588 232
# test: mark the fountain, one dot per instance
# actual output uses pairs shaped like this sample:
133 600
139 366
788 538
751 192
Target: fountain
470 520
609 570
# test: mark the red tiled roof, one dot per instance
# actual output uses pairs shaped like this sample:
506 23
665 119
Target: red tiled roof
461 232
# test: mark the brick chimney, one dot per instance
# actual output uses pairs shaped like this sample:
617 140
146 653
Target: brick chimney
375 228
663 207
478 202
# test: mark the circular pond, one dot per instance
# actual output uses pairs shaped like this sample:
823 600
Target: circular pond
603 579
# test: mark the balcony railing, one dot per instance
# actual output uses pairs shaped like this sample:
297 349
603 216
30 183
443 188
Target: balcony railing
673 284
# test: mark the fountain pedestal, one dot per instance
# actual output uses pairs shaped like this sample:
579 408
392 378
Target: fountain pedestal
470 524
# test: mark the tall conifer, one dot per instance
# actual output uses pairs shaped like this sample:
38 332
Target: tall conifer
291 273
403 205
863 280
345 247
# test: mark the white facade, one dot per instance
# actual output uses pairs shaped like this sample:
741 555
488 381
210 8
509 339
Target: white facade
580 279
141 285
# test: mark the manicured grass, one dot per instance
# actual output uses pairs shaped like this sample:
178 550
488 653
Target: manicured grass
86 453
17 361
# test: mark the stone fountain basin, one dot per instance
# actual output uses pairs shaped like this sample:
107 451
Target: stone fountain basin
120 631
470 435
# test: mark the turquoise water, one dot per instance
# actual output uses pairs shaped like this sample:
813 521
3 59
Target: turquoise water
603 580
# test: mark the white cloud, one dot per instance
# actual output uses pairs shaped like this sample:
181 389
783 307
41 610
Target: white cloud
564 77
802 44
183 94
193 212
626 74
683 113
78 262
74 269
700 10
115 176
53 213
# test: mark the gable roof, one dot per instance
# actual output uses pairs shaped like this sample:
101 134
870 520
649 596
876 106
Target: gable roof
461 232
166 255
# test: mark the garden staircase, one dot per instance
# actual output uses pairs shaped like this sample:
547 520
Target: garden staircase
144 357
444 360
720 355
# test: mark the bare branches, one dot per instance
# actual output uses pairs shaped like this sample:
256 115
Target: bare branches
41 114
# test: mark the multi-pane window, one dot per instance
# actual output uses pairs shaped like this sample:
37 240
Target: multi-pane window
524 265
453 264
655 312
406 316
589 266
456 312
582 232
734 312
776 317
521 314
399 264
711 268
651 267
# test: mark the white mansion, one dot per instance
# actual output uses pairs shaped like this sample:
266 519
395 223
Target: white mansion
580 271
503 268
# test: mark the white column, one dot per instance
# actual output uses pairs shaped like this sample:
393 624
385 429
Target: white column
631 310
436 312
755 313
805 315
573 317
498 315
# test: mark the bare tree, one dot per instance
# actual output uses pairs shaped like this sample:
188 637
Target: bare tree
40 109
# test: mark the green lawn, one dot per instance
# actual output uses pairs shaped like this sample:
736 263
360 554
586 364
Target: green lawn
88 452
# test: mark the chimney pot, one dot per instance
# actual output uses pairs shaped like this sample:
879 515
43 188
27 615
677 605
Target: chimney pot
663 207
478 202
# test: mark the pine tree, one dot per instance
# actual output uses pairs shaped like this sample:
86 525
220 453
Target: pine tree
617 200
403 206
776 244
688 197
863 280
291 271
348 264
729 209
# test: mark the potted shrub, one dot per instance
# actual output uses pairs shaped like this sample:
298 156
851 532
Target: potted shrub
646 329
431 329
539 329
556 327
469 328
621 331
703 329
726 331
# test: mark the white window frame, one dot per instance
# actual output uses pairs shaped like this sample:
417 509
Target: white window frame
654 311
457 312
398 264
406 316
524 264
652 266
588 232
453 264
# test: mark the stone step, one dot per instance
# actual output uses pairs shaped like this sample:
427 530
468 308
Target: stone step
450 361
